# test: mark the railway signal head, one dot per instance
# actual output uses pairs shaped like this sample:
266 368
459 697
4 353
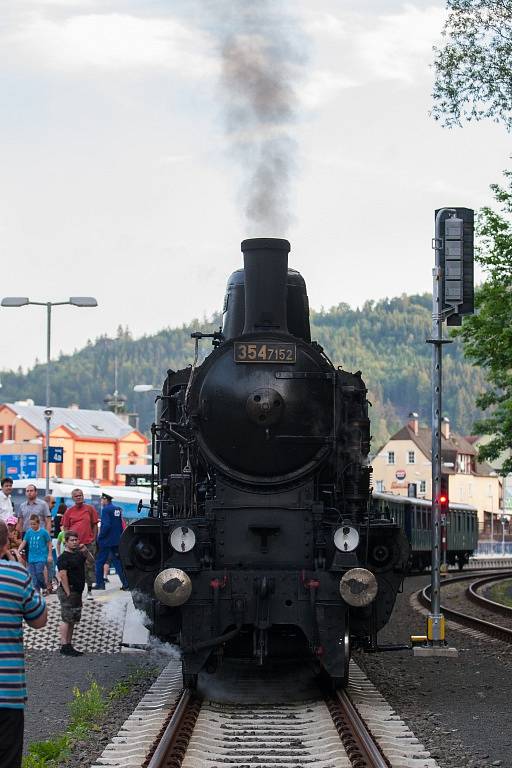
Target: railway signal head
457 255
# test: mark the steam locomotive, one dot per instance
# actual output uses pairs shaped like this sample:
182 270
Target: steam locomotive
260 540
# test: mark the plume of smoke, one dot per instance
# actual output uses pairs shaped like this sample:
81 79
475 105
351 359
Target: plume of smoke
261 68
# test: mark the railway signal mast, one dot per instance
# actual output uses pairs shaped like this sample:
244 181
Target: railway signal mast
452 297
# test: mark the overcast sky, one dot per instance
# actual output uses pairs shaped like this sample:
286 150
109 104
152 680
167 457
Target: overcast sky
129 146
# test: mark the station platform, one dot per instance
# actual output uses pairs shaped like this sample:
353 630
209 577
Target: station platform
109 624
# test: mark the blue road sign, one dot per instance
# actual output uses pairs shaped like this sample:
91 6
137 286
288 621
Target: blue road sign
55 455
18 466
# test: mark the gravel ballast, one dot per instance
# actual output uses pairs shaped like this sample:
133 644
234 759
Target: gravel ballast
459 708
51 678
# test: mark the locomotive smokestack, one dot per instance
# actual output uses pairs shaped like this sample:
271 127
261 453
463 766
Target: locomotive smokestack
266 272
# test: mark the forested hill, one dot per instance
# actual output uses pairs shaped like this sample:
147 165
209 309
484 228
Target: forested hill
384 339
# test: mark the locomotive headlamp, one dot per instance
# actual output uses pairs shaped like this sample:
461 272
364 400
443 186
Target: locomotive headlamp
358 587
173 587
346 538
182 538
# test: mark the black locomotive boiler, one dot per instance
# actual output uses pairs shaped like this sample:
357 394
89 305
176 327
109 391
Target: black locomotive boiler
261 540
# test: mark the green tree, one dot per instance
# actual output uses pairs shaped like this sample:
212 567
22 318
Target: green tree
474 63
487 336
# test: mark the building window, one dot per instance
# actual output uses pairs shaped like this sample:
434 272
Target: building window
391 457
2 429
105 470
92 469
379 486
58 470
423 486
79 469
9 432
410 457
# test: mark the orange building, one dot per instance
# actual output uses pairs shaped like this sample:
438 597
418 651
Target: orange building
94 442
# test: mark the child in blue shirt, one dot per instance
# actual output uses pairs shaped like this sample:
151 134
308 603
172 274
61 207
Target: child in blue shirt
39 552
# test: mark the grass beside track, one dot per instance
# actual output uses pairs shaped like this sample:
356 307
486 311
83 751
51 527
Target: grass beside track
502 593
87 709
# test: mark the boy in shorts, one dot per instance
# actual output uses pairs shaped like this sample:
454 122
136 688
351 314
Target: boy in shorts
71 567
39 552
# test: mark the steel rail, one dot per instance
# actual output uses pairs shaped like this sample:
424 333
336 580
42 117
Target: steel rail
359 743
172 730
473 594
488 627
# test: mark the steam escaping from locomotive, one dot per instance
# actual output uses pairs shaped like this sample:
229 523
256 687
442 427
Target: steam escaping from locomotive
261 68
260 540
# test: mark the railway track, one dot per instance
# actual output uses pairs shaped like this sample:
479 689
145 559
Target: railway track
285 735
488 608
349 729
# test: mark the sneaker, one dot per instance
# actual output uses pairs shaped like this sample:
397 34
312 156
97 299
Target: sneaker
98 586
74 652
106 580
66 650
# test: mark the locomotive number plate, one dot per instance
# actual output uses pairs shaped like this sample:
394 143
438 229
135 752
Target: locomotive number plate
265 352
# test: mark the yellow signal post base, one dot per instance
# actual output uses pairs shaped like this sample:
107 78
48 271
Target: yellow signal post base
433 643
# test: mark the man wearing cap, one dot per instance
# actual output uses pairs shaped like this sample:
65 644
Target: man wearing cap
109 536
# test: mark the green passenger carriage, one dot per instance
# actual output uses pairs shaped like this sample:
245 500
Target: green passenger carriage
415 517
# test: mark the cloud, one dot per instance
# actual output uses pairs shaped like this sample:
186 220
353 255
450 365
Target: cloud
113 42
368 48
399 45
175 159
321 86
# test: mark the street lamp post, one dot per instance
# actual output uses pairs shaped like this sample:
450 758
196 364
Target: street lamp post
21 301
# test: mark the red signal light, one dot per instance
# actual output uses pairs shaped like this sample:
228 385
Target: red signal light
443 499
